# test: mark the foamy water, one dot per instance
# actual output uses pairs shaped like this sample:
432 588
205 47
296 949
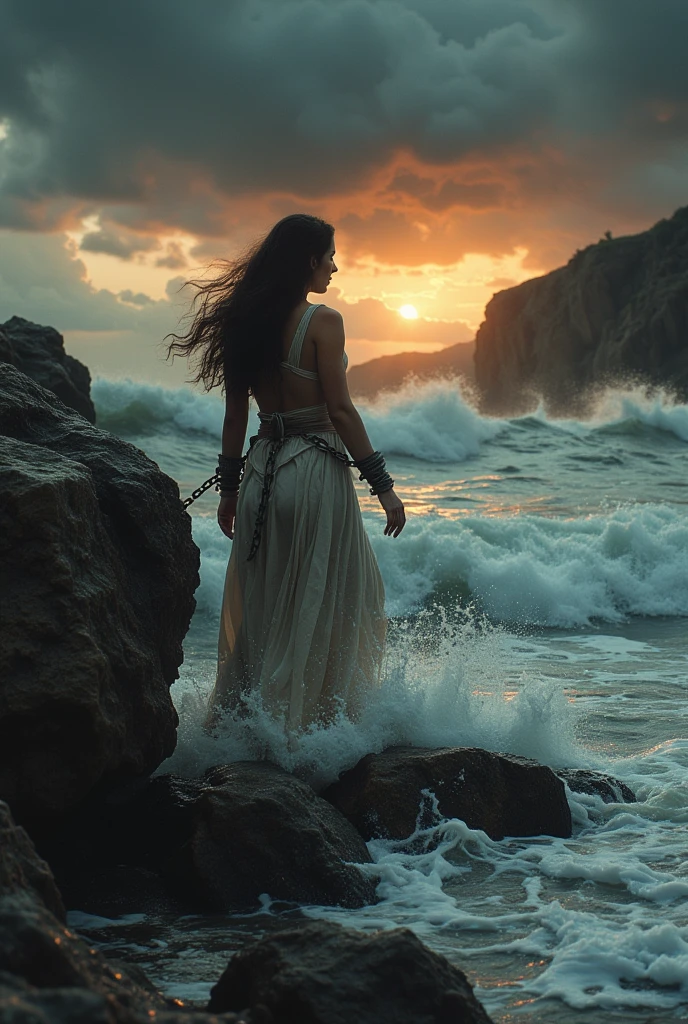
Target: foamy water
539 603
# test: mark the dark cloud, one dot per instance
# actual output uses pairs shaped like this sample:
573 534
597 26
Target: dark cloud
166 113
174 258
118 242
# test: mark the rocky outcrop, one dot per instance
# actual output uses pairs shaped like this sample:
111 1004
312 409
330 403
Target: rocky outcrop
98 575
219 843
611 790
388 372
48 974
386 794
618 311
325 974
39 353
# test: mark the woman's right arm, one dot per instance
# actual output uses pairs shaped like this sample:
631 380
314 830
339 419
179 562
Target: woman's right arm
329 344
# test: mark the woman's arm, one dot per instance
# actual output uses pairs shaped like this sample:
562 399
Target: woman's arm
233 437
329 345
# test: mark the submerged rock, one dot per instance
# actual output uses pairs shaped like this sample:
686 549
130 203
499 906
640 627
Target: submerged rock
325 974
48 974
612 791
501 794
219 842
99 570
39 353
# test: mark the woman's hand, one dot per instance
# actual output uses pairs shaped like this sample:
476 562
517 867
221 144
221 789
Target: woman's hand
226 514
396 517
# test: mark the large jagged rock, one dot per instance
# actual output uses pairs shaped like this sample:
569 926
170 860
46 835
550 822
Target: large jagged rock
219 842
50 976
39 353
325 974
98 573
617 311
386 794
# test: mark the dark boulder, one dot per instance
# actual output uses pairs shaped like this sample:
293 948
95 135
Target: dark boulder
501 794
98 573
581 780
321 973
218 842
50 976
39 353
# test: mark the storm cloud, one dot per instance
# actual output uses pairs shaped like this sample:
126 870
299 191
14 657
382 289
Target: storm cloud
164 114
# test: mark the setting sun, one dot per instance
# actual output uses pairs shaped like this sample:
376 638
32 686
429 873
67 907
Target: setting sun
408 312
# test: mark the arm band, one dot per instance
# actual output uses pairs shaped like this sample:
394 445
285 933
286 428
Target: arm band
372 469
230 471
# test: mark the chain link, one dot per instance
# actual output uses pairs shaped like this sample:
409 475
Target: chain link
201 490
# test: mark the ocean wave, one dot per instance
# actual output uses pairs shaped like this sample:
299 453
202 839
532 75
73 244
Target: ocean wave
430 421
544 571
132 409
534 570
618 411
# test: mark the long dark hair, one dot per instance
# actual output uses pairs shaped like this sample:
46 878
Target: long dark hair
235 334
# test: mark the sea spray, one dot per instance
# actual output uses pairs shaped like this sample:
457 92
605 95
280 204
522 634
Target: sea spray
448 681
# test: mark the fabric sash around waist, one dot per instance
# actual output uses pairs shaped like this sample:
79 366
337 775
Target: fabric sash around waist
312 419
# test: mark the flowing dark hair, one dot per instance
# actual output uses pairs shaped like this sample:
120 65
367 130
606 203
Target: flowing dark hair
235 334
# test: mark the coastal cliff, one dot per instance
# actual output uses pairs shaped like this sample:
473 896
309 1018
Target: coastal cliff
616 313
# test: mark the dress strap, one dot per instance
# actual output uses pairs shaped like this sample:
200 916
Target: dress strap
294 357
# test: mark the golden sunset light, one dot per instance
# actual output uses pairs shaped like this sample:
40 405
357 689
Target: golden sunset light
408 312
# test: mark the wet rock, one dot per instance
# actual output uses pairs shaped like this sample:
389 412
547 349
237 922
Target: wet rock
39 353
257 829
99 570
50 976
501 794
325 974
218 842
617 312
612 791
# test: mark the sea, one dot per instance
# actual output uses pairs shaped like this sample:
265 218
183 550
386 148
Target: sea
538 605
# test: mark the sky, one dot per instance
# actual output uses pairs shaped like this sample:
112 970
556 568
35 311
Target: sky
458 146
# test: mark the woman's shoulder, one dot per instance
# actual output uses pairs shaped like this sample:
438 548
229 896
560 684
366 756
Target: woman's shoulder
326 316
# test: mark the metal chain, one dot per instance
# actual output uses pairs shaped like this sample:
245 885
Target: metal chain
275 446
201 490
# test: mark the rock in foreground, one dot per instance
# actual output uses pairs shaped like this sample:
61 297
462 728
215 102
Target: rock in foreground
47 974
39 353
219 842
99 571
321 973
503 795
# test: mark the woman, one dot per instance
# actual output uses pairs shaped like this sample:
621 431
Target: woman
303 624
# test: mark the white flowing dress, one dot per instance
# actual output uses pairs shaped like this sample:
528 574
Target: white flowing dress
303 623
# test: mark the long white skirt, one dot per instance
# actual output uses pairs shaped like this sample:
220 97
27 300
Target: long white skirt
303 623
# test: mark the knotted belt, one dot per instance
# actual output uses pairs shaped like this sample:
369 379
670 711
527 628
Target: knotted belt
276 427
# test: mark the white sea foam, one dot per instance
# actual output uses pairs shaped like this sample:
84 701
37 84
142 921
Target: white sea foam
428 420
446 683
544 571
527 569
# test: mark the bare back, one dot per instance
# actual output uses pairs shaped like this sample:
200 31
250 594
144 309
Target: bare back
288 390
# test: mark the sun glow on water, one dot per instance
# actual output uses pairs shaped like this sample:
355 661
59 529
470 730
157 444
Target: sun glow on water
408 312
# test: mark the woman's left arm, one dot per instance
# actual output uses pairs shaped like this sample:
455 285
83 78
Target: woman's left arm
233 437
